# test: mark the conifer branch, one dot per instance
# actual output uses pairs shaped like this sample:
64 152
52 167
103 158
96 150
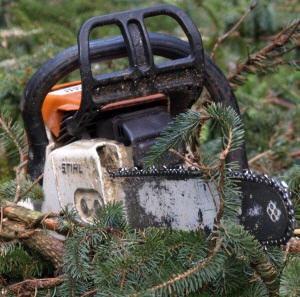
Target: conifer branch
233 29
256 62
186 273
18 169
11 131
181 130
35 182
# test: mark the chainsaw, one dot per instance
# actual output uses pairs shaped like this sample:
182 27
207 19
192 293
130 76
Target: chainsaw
84 135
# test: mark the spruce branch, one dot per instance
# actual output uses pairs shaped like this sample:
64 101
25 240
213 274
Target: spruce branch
13 133
181 130
244 244
187 273
257 62
30 187
185 127
290 281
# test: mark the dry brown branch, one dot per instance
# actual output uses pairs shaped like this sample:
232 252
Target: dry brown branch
295 154
21 214
16 32
89 293
50 247
123 280
259 156
34 284
18 223
18 169
294 246
183 158
279 102
32 185
233 29
256 59
1 218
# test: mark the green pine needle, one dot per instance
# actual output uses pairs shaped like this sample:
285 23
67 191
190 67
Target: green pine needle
290 280
180 131
185 128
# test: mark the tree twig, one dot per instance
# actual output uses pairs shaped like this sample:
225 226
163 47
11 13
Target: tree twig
32 284
279 102
89 293
233 29
1 218
17 169
183 158
280 39
294 246
259 156
32 185
295 155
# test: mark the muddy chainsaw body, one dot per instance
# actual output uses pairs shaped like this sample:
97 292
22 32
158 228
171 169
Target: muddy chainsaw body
81 133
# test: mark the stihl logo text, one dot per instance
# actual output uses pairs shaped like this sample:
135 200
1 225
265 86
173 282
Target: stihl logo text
70 168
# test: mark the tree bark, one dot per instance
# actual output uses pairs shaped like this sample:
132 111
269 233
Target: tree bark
23 224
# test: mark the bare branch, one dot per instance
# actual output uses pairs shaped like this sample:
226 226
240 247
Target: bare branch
89 293
255 61
259 156
33 284
18 169
233 29
31 186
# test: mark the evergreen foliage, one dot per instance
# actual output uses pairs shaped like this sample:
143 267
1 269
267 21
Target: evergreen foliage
17 263
184 129
8 190
108 257
290 281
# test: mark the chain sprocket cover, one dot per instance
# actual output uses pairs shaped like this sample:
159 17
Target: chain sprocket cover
180 199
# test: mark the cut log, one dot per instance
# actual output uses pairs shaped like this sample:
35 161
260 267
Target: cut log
21 223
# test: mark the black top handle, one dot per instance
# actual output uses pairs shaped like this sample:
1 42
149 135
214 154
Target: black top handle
143 77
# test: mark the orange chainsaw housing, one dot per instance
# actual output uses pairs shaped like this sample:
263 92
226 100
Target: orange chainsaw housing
67 97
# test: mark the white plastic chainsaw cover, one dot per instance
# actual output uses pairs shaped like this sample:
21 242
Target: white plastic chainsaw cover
76 176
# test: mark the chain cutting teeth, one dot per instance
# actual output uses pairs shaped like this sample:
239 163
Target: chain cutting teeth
281 188
245 175
155 171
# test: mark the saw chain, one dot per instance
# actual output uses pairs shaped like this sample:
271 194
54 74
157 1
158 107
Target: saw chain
267 210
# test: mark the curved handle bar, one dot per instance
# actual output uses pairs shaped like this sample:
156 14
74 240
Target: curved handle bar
108 48
143 77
